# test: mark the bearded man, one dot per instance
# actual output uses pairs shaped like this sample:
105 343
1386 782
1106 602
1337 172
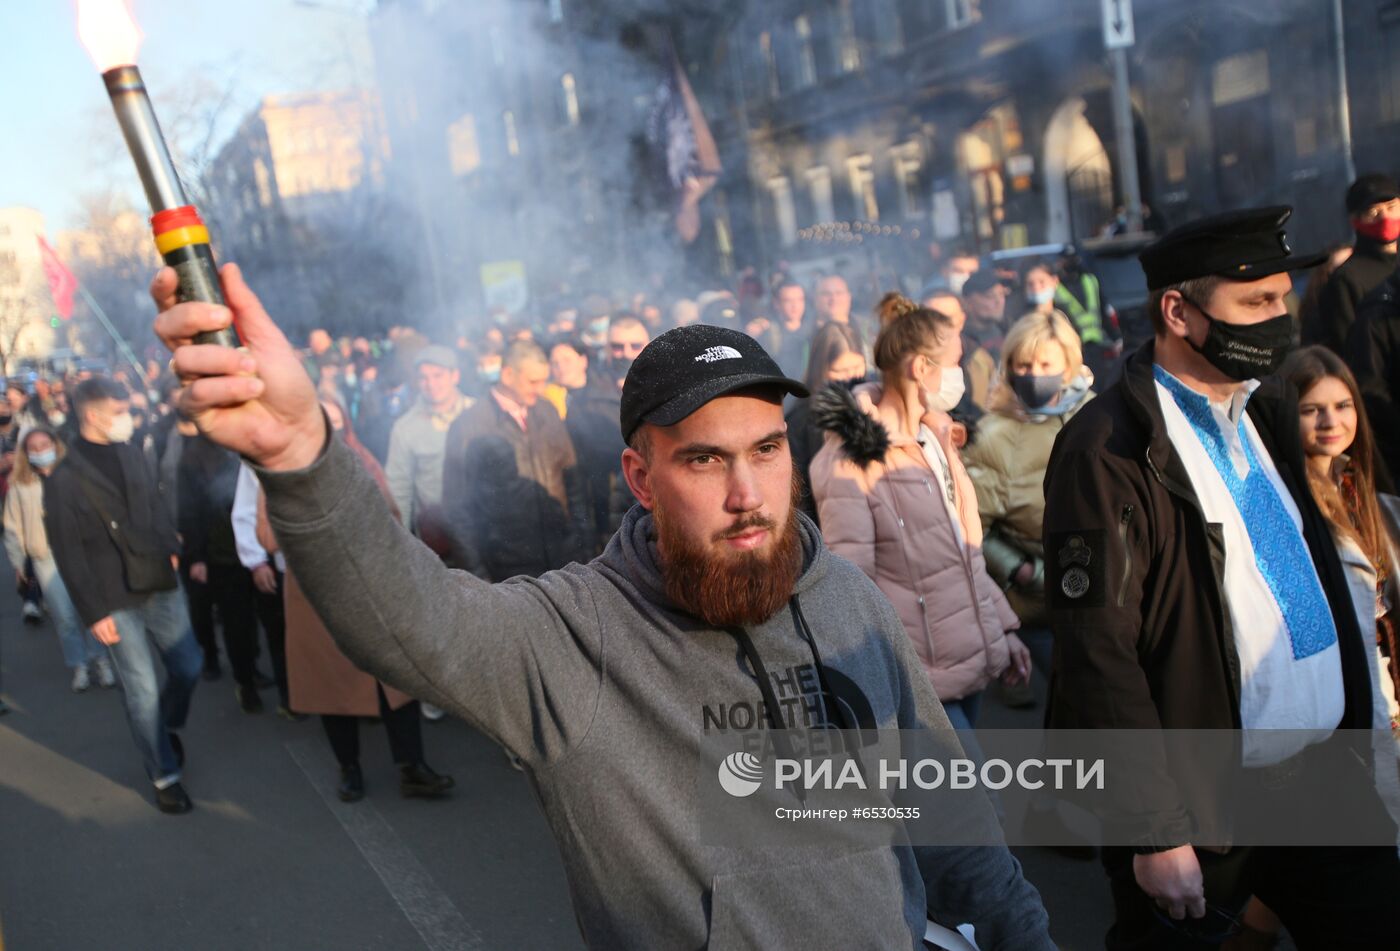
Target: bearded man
715 592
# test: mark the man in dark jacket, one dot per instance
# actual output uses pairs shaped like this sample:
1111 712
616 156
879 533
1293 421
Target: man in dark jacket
592 403
208 479
793 332
1373 206
1194 585
530 523
1373 355
115 545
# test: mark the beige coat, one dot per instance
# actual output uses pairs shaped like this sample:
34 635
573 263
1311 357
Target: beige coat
881 508
24 523
1007 463
320 679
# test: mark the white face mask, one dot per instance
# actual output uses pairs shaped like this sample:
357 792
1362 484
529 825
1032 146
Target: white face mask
949 394
956 280
121 429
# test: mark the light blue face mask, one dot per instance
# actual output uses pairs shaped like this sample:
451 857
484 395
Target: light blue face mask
1041 298
492 375
43 459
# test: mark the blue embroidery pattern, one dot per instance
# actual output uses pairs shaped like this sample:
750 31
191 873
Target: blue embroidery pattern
1279 549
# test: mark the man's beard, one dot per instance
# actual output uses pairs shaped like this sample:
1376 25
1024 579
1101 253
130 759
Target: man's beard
728 588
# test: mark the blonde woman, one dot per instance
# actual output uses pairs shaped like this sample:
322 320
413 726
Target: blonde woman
895 500
39 450
1041 385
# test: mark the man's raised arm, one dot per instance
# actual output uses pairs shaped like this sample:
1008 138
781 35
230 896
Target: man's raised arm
507 658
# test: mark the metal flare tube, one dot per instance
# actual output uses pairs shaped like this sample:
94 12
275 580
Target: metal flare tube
181 237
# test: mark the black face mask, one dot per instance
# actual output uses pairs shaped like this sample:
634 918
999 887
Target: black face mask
1036 391
1245 352
620 366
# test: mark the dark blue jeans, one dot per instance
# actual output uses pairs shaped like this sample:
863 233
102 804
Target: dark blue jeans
159 627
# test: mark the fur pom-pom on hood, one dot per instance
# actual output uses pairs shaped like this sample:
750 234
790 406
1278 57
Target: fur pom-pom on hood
864 439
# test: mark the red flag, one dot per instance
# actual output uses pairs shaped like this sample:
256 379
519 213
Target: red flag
62 283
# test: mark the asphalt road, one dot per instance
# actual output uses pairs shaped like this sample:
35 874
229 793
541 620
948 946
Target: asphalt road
270 859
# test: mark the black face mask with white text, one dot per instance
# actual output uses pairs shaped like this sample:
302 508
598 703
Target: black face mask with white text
1245 351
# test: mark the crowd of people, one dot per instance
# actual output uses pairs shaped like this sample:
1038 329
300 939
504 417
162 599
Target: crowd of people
1193 533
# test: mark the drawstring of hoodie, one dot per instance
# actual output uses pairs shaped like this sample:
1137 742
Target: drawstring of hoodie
771 708
777 728
830 706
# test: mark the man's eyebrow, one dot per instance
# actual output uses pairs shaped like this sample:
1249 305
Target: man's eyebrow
704 449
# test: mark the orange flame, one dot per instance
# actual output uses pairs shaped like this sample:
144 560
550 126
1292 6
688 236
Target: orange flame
108 32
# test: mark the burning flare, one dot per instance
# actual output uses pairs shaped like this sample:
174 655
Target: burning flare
108 33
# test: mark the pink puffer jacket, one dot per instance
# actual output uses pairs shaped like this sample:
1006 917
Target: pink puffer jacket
880 507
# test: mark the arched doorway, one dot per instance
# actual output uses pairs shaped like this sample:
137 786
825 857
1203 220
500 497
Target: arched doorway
982 154
1078 176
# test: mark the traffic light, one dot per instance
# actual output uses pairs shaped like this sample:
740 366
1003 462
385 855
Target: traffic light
53 322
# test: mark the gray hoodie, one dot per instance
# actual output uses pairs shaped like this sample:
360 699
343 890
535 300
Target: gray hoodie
604 689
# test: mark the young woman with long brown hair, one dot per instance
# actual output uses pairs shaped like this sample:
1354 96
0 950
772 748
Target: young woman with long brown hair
1340 456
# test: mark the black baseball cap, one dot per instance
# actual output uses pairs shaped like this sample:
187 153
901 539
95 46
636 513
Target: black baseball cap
1370 190
1243 245
981 280
683 369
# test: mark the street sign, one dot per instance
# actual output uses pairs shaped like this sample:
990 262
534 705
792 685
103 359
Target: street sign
1118 24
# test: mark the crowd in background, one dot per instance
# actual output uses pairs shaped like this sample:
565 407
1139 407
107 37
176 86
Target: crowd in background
922 456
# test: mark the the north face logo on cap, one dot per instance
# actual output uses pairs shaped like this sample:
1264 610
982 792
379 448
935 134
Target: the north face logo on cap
719 353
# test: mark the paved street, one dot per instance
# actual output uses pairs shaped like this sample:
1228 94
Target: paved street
269 858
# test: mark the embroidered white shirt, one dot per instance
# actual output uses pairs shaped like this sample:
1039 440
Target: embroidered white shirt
1277 692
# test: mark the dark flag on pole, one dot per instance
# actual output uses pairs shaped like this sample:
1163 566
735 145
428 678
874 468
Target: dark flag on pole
678 130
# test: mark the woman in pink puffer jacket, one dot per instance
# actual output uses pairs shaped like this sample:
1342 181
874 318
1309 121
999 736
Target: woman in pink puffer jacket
894 499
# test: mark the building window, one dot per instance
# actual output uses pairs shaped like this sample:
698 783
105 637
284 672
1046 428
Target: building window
806 56
1305 137
1176 164
570 89
784 212
556 11
768 65
819 189
847 43
961 13
512 140
1389 79
264 182
463 149
861 171
498 46
908 160
888 27
1241 77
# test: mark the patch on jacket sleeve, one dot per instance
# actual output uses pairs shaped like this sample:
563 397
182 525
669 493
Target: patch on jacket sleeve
1075 569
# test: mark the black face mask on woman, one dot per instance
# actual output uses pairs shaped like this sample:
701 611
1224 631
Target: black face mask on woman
1245 351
